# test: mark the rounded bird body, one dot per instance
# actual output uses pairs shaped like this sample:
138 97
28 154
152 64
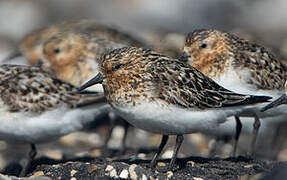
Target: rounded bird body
163 95
238 65
228 60
135 77
36 107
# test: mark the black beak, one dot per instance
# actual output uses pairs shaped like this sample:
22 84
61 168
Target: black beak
277 102
39 64
12 55
96 80
183 57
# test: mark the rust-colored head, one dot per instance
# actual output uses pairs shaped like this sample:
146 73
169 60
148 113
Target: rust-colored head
66 56
124 73
31 45
120 59
62 50
204 49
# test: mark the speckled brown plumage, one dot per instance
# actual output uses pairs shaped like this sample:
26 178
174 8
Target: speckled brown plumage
136 75
30 89
72 55
214 51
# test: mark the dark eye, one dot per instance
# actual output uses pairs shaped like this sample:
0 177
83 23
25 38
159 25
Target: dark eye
117 66
203 45
56 51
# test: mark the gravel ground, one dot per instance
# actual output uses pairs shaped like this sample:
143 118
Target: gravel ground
187 168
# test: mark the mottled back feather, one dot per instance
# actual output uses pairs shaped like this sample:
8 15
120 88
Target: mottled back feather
135 74
31 89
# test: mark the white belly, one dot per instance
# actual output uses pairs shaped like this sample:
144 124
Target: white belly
27 128
231 81
164 120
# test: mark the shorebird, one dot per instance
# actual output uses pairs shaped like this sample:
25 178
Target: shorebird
238 65
36 107
31 46
72 56
163 95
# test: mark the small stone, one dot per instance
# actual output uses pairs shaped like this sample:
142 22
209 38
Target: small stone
132 172
144 177
38 173
73 172
169 174
113 173
248 166
167 154
141 155
124 174
92 168
109 168
161 164
110 171
192 163
197 178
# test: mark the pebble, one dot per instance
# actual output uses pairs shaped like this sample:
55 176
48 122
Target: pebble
169 174
197 178
248 166
162 164
144 177
38 173
110 171
133 174
92 168
124 174
167 154
73 172
192 163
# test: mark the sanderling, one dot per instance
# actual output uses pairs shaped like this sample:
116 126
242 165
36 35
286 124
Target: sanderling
31 46
36 107
165 96
72 56
238 65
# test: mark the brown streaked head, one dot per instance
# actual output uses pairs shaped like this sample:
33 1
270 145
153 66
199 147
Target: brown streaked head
62 50
31 45
122 57
205 47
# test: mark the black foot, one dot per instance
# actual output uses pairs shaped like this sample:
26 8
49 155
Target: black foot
32 155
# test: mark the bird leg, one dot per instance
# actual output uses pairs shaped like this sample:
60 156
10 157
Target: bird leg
179 140
212 146
256 127
237 134
109 135
32 155
126 129
159 150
